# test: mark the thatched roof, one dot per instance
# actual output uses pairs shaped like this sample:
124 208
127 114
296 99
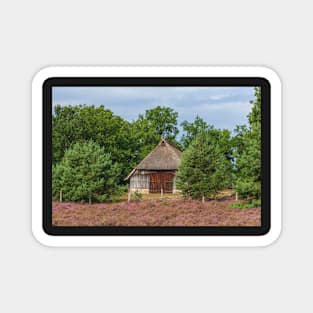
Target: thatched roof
164 156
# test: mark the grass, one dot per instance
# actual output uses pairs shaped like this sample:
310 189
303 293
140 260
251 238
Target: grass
156 196
254 203
151 196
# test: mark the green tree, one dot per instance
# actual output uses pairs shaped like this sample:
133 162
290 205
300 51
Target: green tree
85 173
204 168
254 116
127 142
247 144
71 124
144 137
64 130
164 121
191 130
149 128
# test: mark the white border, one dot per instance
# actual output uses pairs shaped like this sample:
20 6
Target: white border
156 241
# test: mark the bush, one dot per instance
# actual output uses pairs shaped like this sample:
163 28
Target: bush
254 203
248 188
138 195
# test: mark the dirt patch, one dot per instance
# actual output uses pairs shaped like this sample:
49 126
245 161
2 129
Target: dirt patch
169 212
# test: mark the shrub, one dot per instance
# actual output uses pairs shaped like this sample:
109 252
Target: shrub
248 188
254 203
138 195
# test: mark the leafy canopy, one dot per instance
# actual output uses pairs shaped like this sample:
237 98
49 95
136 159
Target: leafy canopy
148 129
72 124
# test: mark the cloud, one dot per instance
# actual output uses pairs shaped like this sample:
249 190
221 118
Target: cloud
224 107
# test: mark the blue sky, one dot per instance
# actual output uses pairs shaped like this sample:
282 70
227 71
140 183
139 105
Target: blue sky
223 107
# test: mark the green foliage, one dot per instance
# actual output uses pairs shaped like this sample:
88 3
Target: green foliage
248 188
204 168
164 121
138 195
94 150
148 129
145 137
247 154
71 124
191 130
127 143
85 173
254 203
254 117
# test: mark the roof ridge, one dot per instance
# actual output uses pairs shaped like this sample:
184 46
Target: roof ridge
133 170
149 153
172 144
172 153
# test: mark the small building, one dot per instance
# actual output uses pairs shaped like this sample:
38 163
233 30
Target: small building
157 171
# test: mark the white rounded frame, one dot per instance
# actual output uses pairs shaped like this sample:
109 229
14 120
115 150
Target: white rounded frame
156 241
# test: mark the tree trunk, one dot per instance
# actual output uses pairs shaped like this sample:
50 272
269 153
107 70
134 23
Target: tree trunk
236 196
60 195
202 199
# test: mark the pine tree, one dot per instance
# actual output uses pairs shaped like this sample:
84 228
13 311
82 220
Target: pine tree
204 167
248 153
192 129
86 173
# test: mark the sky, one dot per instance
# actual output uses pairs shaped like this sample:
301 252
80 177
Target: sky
223 107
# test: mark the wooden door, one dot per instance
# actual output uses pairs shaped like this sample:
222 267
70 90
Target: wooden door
161 180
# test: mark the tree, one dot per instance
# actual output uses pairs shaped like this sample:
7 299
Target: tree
148 129
162 121
144 137
64 130
254 117
85 173
248 152
127 142
71 124
204 168
191 130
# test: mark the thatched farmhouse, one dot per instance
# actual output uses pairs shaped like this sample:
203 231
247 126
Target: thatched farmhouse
156 172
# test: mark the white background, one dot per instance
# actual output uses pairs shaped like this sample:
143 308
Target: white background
35 34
